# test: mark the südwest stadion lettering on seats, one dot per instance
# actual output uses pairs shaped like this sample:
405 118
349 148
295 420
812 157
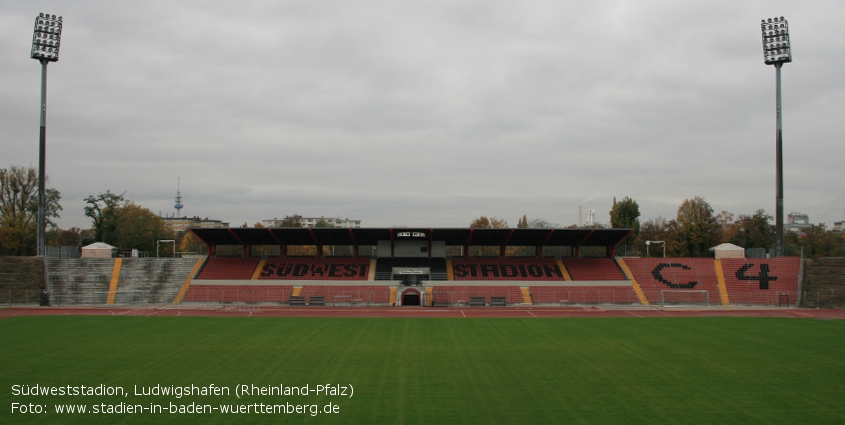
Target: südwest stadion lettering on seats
314 270
506 270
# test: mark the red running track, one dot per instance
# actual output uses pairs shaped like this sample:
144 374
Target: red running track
422 312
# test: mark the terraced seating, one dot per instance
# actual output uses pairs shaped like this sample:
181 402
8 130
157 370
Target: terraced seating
315 269
448 295
238 294
762 281
593 269
506 269
80 280
679 274
584 295
338 295
153 280
228 268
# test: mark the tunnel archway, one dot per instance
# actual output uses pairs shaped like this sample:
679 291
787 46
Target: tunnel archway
411 297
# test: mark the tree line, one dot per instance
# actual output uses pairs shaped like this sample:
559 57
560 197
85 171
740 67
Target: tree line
126 225
116 220
697 228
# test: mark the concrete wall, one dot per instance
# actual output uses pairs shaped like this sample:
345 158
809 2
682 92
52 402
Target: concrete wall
21 279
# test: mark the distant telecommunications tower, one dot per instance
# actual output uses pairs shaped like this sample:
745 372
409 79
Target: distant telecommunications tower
178 205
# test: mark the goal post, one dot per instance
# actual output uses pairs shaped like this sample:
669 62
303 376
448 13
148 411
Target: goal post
682 297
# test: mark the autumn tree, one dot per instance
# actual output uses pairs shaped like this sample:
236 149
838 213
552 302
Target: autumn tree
188 242
697 227
754 231
124 224
292 221
727 226
75 237
19 209
625 214
488 223
322 222
540 223
141 229
816 241
104 210
659 229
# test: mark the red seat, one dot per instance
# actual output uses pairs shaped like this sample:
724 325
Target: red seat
593 269
228 268
506 269
762 281
315 269
584 295
238 293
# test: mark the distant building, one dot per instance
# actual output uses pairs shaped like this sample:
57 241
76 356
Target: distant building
312 221
796 222
182 224
839 226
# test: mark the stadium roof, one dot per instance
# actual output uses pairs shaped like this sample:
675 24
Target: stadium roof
327 236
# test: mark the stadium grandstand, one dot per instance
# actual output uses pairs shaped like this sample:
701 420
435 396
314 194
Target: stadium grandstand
422 267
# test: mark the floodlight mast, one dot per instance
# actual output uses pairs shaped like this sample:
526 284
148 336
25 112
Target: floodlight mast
777 50
46 38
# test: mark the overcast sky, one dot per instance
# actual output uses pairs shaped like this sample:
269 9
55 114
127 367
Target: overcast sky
428 113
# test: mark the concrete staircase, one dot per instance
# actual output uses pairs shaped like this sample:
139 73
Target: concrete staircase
79 280
141 280
152 280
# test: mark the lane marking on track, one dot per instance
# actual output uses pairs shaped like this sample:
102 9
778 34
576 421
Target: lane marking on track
529 312
462 312
632 313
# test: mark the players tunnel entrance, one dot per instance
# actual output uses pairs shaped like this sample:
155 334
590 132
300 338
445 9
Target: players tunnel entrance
410 297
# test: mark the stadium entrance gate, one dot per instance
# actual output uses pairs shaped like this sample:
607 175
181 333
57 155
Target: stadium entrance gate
411 297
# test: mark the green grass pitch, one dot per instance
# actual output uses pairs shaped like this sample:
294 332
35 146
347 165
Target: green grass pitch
436 371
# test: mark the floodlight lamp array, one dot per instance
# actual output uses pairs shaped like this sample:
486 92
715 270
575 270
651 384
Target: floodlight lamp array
776 45
46 37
